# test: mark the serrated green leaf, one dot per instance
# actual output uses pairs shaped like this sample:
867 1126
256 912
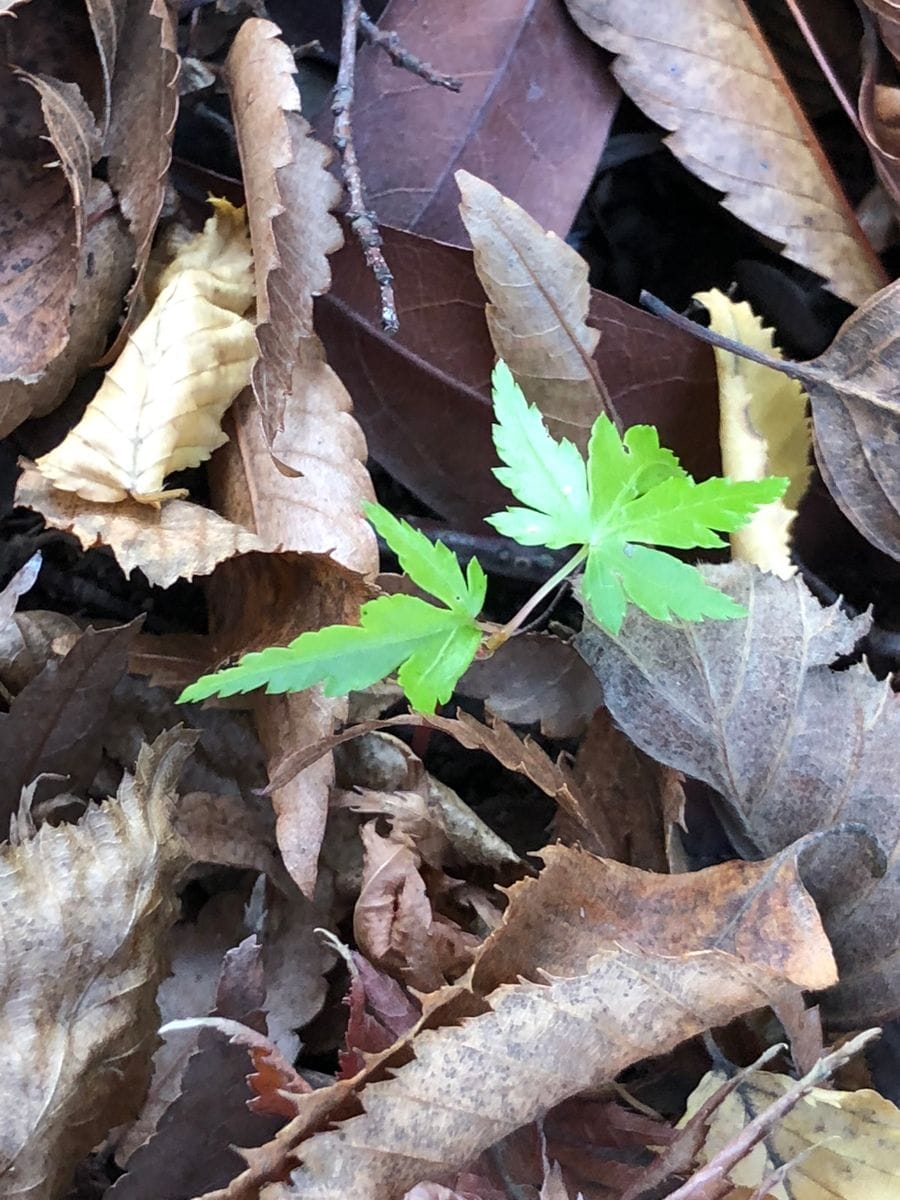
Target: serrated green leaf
679 512
431 565
545 475
393 630
662 585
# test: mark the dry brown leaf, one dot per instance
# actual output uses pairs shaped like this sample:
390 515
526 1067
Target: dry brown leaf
178 540
79 1027
258 601
617 992
195 952
790 745
290 195
536 679
631 802
160 406
55 724
103 274
394 923
703 71
227 831
22 582
143 107
843 1144
537 316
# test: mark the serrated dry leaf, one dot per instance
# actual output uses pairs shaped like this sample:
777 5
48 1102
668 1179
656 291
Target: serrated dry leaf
290 195
178 540
764 430
753 708
537 315
847 1144
159 408
703 71
55 723
79 978
617 992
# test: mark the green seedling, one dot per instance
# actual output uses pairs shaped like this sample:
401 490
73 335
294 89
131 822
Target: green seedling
629 497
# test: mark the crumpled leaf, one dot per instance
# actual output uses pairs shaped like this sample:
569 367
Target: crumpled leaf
79 1028
599 977
290 195
536 104
790 745
846 1144
55 723
159 408
537 316
704 72
763 429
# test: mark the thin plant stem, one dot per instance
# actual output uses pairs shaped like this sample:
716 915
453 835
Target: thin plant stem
516 622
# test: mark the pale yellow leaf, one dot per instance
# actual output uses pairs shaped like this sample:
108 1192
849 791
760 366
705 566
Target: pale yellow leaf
160 407
84 911
763 429
850 1141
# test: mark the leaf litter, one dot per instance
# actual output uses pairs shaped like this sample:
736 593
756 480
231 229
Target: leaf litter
524 940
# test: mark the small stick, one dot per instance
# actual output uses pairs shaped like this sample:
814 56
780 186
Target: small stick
390 43
363 222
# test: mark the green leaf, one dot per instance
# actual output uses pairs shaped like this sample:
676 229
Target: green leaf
431 565
547 476
662 585
435 646
679 512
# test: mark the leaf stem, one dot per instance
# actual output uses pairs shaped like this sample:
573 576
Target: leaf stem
515 623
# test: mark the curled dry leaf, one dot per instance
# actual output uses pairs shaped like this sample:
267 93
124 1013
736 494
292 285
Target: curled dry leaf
833 1143
599 977
416 392
290 195
160 406
537 315
764 430
704 72
55 723
536 104
136 39
178 540
22 582
79 1029
790 745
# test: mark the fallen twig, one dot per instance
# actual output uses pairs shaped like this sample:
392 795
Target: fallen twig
363 221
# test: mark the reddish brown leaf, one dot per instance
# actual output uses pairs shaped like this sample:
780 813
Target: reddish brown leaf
533 114
423 397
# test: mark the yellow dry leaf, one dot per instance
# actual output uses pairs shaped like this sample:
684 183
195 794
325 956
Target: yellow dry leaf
850 1141
160 407
763 430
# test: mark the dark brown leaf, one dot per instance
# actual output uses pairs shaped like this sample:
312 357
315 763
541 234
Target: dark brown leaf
55 724
533 114
753 708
